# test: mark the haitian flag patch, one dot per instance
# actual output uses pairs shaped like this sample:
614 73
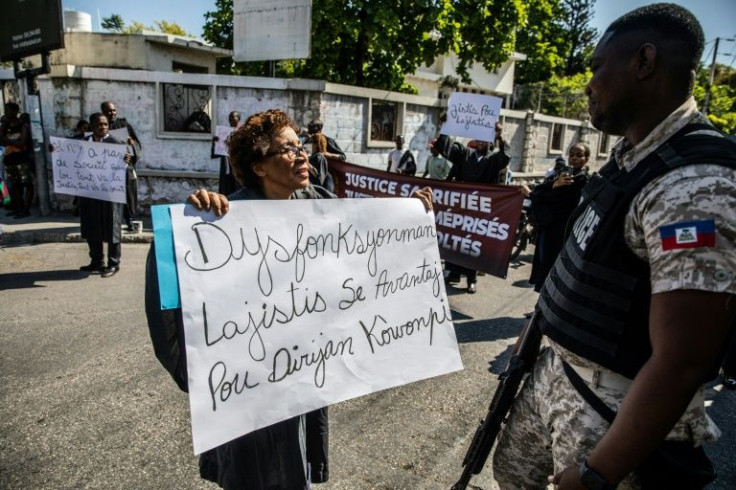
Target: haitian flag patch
688 234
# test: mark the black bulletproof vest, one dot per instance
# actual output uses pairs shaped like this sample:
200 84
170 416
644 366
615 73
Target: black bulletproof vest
595 301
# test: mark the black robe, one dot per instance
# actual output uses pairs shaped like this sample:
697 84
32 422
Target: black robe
100 221
551 208
131 178
277 457
322 176
467 167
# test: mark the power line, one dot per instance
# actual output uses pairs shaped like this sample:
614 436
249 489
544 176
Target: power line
707 56
733 58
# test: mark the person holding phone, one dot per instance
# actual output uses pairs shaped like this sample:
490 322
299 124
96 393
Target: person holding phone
553 202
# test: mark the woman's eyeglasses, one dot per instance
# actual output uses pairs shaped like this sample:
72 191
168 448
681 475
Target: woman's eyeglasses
291 150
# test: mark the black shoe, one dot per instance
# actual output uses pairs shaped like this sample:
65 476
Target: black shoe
110 271
471 288
21 215
729 382
92 267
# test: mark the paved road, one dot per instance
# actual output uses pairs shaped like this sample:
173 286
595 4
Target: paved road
84 403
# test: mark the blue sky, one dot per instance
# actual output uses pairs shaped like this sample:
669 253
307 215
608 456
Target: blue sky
716 16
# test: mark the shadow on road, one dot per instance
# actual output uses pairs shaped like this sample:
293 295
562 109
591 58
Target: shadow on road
22 280
488 330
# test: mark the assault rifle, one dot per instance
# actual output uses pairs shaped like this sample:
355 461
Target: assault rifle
522 360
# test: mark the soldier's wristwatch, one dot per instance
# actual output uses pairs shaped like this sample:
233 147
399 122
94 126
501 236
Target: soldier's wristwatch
593 480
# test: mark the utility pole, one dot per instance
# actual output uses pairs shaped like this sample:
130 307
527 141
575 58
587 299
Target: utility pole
706 102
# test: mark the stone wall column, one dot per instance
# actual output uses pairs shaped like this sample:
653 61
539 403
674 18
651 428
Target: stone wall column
586 130
528 143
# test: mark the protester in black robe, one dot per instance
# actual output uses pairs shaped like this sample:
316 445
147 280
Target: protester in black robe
226 183
553 201
266 157
268 160
130 212
319 171
100 221
481 165
333 149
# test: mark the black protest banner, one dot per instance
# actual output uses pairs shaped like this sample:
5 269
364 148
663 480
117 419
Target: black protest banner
476 223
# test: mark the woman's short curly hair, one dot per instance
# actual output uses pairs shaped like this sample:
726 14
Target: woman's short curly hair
251 142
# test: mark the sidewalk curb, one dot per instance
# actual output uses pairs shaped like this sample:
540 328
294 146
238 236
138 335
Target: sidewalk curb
40 236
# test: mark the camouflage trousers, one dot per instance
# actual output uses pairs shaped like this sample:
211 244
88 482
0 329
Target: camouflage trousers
551 427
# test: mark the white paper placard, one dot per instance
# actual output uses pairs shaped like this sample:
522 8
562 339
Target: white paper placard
222 133
290 306
472 116
89 169
121 134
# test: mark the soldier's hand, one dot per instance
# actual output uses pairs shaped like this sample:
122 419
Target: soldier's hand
424 195
567 479
205 200
128 158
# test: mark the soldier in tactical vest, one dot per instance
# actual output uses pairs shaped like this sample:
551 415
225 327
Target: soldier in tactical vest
638 307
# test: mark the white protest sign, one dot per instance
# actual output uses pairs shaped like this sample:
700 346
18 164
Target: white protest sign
293 305
121 134
89 169
222 133
472 116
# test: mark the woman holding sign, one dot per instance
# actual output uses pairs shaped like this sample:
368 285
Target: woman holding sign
267 158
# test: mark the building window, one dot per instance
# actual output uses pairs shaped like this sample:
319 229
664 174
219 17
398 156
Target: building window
603 143
384 118
179 67
557 137
187 108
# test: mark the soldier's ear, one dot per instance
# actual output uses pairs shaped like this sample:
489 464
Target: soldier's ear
646 60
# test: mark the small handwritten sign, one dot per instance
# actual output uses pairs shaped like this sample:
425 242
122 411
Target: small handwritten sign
89 169
472 116
290 306
222 133
120 133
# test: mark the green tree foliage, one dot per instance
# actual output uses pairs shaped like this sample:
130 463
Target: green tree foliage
722 106
556 38
170 28
562 96
373 43
579 36
113 23
134 28
541 39
116 23
480 31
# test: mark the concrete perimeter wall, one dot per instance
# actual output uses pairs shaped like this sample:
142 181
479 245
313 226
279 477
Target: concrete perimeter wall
175 162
